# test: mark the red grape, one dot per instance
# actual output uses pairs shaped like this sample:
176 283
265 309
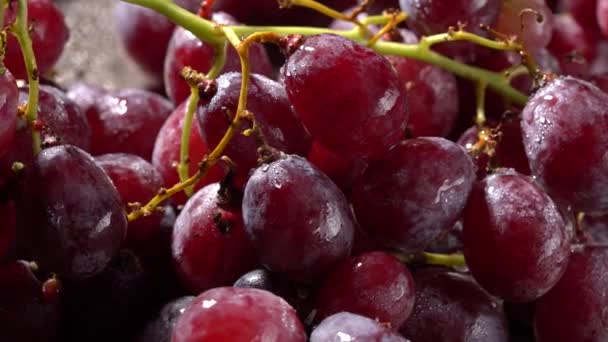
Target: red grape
127 121
572 46
75 219
209 244
345 326
273 112
85 94
515 240
300 222
48 32
575 309
563 125
530 20
375 285
185 49
137 181
451 307
166 153
364 114
238 315
415 192
341 169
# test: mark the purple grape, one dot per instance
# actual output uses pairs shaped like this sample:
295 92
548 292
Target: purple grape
8 111
515 240
161 328
416 191
534 28
367 100
345 326
298 219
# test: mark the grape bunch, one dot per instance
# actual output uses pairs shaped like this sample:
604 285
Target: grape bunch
307 170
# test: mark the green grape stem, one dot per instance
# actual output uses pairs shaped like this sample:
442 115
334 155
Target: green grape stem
20 30
213 34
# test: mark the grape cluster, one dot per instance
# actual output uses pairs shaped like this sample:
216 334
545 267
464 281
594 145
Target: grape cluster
412 170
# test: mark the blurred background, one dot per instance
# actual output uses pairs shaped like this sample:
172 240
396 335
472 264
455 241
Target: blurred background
93 52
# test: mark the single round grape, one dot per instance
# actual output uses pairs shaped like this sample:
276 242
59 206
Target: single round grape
298 219
415 192
166 153
375 285
145 34
48 32
515 240
75 219
160 328
238 315
530 20
209 245
364 114
127 121
8 110
26 314
185 49
346 326
277 120
575 309
137 181
62 120
451 307
565 141
432 95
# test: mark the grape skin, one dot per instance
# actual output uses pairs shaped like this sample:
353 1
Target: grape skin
346 326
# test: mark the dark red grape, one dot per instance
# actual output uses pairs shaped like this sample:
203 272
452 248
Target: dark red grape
145 34
416 191
300 222
345 326
530 20
515 240
48 32
137 181
127 121
571 46
563 126
161 328
595 228
375 285
26 314
7 228
209 244
272 110
451 307
62 120
575 309
166 154
449 241
185 49
602 16
238 315
75 219
364 114
8 111
432 95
